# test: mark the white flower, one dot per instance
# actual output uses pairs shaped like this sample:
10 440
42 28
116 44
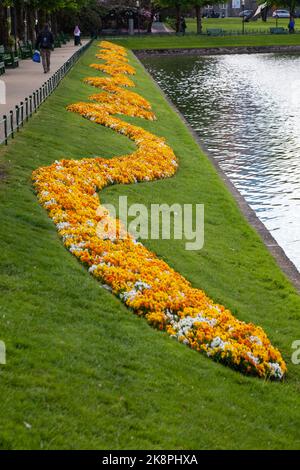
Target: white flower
140 285
62 225
67 237
184 325
255 339
77 247
275 370
253 358
93 268
130 295
49 203
217 342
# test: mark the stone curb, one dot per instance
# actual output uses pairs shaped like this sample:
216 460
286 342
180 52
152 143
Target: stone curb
204 51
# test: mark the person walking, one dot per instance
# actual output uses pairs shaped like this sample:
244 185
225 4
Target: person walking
182 25
291 25
44 43
77 34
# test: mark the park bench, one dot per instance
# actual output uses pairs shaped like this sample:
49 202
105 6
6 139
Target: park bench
278 31
9 58
25 50
215 32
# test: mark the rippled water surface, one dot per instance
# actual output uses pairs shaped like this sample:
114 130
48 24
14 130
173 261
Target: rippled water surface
246 110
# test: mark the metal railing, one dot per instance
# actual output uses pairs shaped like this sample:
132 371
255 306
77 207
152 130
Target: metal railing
11 123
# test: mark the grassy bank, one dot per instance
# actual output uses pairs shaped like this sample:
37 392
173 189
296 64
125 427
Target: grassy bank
190 41
84 372
235 24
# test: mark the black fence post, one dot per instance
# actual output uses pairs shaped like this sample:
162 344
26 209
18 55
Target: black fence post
34 101
22 113
18 117
11 115
5 128
26 108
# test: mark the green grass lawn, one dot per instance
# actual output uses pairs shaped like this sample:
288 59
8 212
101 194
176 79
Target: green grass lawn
235 24
199 41
84 372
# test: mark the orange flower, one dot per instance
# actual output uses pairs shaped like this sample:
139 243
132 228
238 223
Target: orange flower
146 284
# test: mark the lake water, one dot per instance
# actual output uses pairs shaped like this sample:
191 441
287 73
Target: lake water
246 110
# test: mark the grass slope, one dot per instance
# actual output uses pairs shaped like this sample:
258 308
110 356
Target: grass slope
193 40
81 369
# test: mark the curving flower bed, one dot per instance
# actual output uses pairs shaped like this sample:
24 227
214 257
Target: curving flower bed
145 283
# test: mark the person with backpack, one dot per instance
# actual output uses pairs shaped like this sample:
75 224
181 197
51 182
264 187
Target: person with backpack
44 43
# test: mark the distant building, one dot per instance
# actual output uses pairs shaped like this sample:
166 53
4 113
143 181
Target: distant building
232 8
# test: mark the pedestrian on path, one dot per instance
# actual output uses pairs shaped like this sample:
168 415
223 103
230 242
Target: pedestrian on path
45 43
77 34
291 25
182 25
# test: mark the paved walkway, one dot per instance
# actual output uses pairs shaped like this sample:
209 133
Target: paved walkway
159 27
29 76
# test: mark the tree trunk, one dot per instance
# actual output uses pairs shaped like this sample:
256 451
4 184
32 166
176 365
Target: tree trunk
14 26
30 24
42 18
149 26
178 11
9 25
292 8
199 19
54 23
3 27
60 21
264 14
20 21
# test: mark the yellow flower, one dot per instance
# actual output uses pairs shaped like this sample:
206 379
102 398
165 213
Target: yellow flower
146 284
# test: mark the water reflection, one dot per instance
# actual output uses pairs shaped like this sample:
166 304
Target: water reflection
246 109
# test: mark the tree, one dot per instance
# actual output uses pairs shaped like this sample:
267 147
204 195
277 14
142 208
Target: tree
153 7
177 4
24 15
198 5
288 4
3 34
